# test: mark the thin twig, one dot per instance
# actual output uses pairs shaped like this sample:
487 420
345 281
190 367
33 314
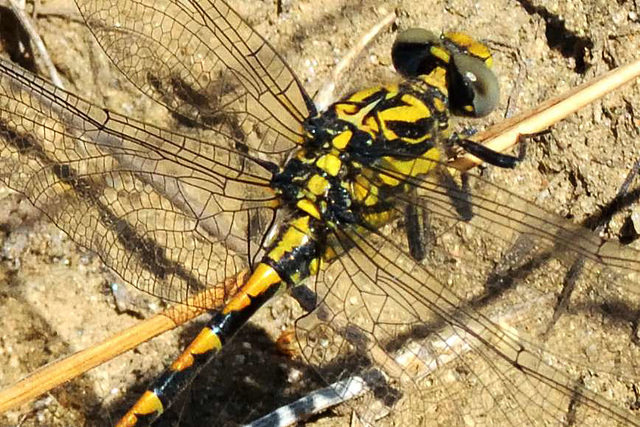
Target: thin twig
61 371
29 28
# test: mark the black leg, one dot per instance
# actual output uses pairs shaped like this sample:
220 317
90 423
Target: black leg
460 195
488 155
417 227
491 156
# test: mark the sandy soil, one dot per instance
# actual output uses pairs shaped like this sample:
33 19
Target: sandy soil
55 298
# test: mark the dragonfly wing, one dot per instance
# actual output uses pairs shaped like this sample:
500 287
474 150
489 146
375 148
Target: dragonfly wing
471 335
205 64
167 212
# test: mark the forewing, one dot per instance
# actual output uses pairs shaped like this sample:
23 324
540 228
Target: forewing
170 214
206 64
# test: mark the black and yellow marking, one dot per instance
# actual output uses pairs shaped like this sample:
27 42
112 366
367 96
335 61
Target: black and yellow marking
330 163
282 266
260 287
355 159
470 46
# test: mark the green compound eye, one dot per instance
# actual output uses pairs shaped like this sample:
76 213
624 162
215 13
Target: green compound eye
411 52
474 88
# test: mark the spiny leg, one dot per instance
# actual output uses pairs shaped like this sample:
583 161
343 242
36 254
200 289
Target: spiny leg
490 156
418 230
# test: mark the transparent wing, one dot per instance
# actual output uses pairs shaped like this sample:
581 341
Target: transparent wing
472 335
167 212
206 64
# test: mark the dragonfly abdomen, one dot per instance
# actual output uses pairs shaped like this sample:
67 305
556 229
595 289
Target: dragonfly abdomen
293 257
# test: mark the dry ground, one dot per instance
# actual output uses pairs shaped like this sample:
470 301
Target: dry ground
55 299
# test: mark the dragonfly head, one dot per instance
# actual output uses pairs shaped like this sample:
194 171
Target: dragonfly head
473 88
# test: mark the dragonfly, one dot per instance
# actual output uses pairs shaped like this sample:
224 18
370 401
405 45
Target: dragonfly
175 210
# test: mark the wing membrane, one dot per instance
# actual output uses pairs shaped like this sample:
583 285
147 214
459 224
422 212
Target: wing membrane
165 211
206 64
472 334
468 336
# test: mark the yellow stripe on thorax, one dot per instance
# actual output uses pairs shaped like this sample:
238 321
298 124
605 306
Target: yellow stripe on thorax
402 168
413 111
363 94
352 113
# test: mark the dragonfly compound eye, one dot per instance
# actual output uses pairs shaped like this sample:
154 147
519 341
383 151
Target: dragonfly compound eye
412 52
473 87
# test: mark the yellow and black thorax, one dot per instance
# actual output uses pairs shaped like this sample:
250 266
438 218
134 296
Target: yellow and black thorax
361 154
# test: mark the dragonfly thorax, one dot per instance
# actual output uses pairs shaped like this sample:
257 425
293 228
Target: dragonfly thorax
315 180
357 155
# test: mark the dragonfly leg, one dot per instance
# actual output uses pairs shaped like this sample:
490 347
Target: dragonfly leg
418 230
417 224
490 156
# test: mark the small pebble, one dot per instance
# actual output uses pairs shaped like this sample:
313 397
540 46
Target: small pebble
635 220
